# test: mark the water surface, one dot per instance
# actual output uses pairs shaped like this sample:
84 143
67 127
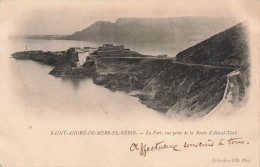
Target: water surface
35 90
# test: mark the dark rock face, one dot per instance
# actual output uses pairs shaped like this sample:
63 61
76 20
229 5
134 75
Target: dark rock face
224 50
194 90
48 58
127 73
68 57
228 48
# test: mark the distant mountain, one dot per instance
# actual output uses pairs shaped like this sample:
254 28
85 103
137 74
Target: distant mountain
182 32
46 37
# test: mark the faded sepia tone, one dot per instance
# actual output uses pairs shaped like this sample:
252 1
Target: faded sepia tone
133 67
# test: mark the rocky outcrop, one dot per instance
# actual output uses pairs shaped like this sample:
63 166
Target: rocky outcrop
126 73
69 57
48 58
65 62
185 89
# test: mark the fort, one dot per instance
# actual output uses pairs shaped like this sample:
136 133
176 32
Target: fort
115 51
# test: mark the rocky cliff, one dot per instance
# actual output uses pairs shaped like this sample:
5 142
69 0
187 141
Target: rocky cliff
185 89
127 73
195 83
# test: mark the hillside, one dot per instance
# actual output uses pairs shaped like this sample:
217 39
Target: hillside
228 48
192 88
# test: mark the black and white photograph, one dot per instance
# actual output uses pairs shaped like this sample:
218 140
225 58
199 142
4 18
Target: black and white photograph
129 83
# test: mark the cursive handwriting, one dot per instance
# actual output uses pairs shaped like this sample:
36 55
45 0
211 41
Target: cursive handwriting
143 148
209 143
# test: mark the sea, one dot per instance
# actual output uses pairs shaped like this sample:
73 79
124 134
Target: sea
36 91
35 105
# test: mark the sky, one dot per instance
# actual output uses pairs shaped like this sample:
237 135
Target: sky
45 17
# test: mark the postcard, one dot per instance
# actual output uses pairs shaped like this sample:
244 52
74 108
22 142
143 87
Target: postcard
129 83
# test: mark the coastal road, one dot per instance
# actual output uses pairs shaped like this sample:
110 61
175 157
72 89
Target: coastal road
178 62
207 66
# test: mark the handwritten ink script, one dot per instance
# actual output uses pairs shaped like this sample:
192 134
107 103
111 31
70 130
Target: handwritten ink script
143 149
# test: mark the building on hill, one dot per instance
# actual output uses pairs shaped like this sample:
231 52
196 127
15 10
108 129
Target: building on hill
162 56
111 50
107 45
